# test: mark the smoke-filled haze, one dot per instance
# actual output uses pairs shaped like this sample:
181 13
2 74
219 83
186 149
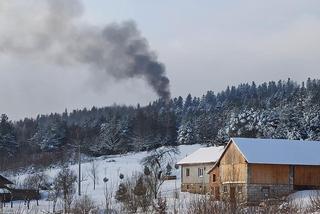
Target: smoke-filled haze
56 36
57 54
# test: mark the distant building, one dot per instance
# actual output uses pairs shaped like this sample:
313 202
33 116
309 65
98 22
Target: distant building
9 193
250 170
194 178
4 182
5 192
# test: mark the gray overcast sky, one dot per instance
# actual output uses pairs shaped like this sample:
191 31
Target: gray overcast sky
205 45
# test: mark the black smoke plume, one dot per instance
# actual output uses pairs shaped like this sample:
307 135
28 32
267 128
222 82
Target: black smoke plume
52 30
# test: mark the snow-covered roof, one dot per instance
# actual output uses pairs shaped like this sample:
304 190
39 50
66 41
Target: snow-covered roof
203 155
3 190
279 151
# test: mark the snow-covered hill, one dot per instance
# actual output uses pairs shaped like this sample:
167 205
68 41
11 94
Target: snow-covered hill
109 167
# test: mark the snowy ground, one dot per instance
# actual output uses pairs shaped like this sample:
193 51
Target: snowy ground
302 199
112 166
109 167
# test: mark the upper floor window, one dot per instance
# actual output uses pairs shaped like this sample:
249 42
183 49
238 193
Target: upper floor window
200 172
213 177
187 172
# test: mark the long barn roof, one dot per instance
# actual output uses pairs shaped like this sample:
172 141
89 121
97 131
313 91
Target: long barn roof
279 151
203 155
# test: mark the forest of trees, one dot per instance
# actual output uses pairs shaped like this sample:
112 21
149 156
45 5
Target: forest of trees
283 109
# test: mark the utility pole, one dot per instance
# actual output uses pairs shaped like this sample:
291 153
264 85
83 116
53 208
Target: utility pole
79 162
79 181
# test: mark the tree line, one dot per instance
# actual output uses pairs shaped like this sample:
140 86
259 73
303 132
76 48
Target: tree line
283 109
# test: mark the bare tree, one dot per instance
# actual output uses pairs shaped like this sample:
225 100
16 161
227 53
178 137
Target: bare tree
155 164
36 181
206 204
54 194
66 180
84 205
161 206
134 195
93 173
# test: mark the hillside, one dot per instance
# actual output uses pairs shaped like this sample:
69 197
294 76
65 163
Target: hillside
107 167
283 109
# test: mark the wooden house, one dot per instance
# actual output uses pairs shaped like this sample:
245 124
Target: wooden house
251 170
5 191
8 192
194 178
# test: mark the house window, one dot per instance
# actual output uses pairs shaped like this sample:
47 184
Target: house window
200 172
187 186
225 189
213 177
265 191
187 172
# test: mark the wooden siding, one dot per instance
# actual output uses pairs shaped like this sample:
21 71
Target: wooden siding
215 185
215 172
268 174
233 166
307 175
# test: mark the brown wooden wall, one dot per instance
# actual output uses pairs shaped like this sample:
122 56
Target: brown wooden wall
268 174
233 166
215 171
215 185
307 175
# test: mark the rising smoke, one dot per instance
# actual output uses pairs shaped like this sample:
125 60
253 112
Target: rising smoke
53 31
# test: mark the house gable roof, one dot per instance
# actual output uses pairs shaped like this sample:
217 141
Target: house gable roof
279 151
203 155
275 151
222 154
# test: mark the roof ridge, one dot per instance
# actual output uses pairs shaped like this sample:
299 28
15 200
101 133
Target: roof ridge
279 151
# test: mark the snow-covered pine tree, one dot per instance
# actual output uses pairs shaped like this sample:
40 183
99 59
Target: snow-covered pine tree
8 142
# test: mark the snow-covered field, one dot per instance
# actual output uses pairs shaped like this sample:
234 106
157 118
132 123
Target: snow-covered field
108 167
111 167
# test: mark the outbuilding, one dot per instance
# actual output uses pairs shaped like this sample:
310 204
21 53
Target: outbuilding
5 191
250 170
194 178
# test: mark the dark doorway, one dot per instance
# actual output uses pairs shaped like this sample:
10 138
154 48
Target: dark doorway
232 194
233 205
